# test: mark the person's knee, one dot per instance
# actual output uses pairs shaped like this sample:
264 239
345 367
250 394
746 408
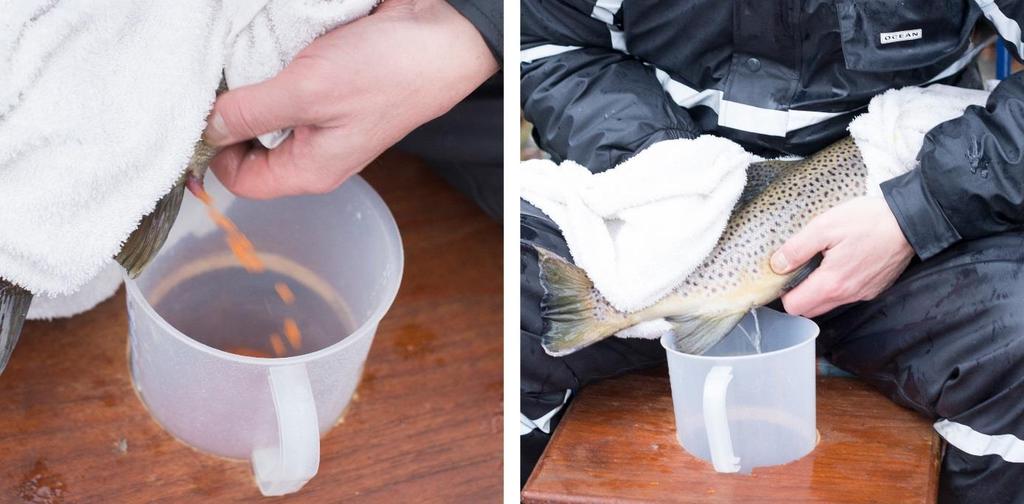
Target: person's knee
984 369
968 478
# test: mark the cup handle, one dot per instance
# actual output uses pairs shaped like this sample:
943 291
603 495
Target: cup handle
285 468
716 384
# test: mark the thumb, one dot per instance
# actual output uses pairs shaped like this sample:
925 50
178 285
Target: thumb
799 248
249 111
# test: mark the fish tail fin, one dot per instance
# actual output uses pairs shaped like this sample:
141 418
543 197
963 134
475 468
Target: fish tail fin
14 303
575 314
695 334
147 239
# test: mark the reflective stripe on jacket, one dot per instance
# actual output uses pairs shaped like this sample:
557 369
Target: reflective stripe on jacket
603 79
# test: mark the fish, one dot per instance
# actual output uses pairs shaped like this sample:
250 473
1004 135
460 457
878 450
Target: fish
14 303
148 238
781 197
138 250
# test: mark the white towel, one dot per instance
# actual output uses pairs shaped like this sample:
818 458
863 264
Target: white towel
84 299
101 103
891 132
639 229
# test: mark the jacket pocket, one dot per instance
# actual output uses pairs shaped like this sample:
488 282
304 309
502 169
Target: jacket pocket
888 35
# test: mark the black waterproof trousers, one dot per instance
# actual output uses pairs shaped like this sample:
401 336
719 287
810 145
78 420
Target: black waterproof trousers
464 146
947 340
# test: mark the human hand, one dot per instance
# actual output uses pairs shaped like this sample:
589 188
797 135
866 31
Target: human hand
864 252
348 96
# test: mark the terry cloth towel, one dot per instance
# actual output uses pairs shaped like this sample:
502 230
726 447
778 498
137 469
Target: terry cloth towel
639 229
891 132
86 298
101 104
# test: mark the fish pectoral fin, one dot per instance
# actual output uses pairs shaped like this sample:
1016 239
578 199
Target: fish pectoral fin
14 303
803 272
575 315
695 334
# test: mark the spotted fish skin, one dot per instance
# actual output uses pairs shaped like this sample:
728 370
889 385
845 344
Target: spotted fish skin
759 175
734 278
806 189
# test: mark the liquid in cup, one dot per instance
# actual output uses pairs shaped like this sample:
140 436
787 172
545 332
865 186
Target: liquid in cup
343 246
256 326
740 409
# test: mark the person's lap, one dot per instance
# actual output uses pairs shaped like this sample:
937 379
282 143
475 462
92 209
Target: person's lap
543 374
947 340
464 147
547 383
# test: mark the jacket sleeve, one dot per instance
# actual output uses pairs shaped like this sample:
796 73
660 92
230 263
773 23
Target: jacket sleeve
970 180
486 16
587 100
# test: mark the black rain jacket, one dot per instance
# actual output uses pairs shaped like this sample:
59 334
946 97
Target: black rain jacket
486 16
604 79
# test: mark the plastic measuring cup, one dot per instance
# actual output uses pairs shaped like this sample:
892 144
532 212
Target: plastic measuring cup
271 411
741 409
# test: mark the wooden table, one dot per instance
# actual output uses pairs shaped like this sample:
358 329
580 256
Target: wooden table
617 444
426 425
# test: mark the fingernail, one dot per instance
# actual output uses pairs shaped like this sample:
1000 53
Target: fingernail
779 263
216 130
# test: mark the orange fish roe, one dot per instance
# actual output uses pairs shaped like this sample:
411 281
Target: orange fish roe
250 352
284 293
245 252
236 240
291 331
275 341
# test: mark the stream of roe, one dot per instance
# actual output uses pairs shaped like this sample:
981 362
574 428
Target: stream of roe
245 252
